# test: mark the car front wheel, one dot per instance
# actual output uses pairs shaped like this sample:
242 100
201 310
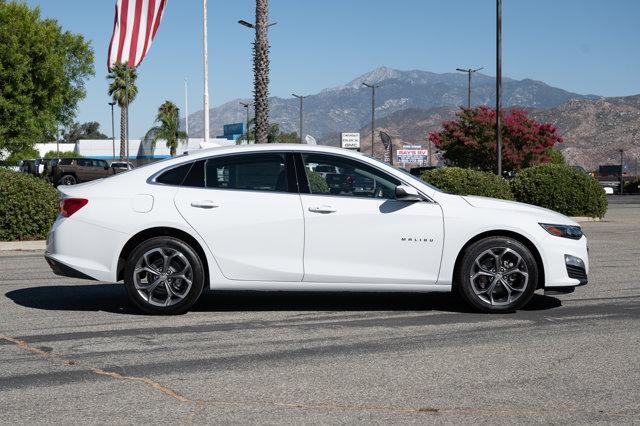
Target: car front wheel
164 275
497 274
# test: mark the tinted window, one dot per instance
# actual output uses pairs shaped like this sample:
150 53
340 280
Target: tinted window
256 172
174 176
82 162
195 178
65 161
328 174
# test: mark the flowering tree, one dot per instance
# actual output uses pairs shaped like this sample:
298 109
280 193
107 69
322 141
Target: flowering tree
470 140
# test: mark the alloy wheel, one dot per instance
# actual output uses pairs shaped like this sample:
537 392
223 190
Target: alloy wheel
163 276
499 276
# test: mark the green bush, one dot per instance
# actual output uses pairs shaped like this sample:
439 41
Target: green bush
560 188
28 206
317 184
456 180
61 154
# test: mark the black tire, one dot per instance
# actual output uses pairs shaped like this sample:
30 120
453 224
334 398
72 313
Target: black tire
68 180
160 246
511 291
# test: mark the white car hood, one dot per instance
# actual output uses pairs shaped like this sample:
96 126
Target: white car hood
543 215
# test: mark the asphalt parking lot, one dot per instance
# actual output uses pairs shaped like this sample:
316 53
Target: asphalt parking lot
76 352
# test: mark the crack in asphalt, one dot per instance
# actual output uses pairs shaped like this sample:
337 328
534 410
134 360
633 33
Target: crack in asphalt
49 355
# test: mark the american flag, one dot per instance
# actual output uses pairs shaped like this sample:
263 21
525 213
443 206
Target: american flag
134 27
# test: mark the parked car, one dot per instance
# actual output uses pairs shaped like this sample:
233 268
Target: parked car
244 217
121 166
69 171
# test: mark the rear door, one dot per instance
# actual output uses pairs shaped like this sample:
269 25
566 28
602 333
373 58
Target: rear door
247 208
357 232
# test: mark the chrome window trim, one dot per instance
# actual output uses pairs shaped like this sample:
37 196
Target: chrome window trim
151 180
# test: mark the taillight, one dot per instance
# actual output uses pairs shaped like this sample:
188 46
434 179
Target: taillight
69 206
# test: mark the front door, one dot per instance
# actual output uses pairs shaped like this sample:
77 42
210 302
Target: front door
247 209
357 232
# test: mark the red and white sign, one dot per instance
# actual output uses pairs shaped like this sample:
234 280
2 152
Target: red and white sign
134 28
412 155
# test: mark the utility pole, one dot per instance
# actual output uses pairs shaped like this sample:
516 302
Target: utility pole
301 99
373 88
499 83
186 112
246 106
113 133
469 71
206 71
621 170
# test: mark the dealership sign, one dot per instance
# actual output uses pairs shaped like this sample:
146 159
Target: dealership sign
350 140
412 155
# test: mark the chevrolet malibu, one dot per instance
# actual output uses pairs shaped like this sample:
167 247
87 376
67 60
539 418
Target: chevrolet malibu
261 217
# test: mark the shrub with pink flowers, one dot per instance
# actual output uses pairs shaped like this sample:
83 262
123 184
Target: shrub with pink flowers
470 140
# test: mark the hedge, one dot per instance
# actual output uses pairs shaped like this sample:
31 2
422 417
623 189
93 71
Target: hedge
560 188
28 206
456 180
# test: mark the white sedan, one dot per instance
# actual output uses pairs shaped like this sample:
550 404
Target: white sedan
259 217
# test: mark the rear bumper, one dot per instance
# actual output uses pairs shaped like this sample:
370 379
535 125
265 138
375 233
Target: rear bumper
80 249
63 270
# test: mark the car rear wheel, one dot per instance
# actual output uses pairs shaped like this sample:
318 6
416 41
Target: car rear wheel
497 274
164 275
68 180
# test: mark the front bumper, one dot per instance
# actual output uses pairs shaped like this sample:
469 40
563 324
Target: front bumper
561 269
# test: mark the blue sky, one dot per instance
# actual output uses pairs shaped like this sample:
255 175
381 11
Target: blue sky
584 46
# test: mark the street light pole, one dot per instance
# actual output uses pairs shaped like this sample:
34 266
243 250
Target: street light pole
469 71
205 53
301 99
373 88
113 133
246 106
499 83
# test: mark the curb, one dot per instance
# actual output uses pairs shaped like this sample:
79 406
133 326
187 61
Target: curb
22 245
587 219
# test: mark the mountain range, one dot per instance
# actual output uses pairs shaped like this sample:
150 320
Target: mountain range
410 104
348 108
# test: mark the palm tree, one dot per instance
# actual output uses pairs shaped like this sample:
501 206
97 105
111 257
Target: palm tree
123 90
261 72
168 127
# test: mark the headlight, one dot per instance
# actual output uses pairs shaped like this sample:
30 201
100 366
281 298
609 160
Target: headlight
564 231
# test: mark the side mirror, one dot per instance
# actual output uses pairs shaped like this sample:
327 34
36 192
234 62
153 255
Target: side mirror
408 193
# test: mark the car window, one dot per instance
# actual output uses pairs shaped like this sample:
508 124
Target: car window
335 175
175 175
255 172
65 161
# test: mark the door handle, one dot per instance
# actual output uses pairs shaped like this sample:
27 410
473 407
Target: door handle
322 209
204 204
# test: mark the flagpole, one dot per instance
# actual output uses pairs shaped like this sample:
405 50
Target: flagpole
206 72
186 112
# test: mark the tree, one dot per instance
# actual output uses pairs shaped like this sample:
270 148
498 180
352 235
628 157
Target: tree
275 136
168 127
261 72
89 130
42 73
470 140
123 90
